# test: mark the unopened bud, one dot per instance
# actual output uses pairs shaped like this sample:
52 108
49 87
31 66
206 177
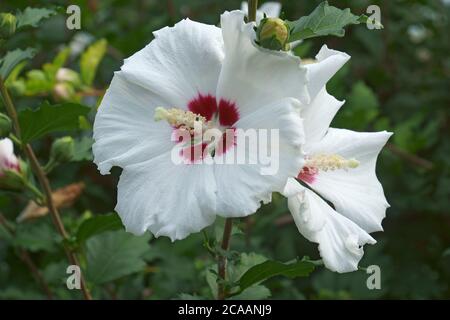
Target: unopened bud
5 125
7 25
62 150
273 33
11 171
12 179
68 75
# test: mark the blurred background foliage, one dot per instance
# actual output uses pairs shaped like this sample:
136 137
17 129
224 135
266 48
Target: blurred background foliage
398 80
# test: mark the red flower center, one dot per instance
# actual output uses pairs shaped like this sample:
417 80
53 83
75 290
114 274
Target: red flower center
207 106
223 114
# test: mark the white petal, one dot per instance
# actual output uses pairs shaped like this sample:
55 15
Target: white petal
124 130
242 187
179 63
318 116
271 9
340 240
252 76
6 148
356 193
7 157
319 73
309 222
167 199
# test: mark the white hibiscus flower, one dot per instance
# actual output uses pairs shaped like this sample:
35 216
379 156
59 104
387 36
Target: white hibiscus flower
220 78
340 167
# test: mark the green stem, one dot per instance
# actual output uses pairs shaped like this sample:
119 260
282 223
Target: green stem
15 139
222 259
252 7
51 164
35 191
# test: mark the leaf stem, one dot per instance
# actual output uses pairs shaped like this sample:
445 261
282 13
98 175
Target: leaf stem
35 191
222 259
45 185
252 7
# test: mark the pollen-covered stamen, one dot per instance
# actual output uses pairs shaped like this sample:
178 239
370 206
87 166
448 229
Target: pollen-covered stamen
325 162
180 119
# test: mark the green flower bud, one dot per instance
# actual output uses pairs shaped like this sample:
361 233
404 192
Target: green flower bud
5 125
13 178
273 33
62 150
7 25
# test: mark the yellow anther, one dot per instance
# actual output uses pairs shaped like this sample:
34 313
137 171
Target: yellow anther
178 117
331 162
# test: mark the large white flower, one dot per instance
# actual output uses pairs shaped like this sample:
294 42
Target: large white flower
220 78
340 167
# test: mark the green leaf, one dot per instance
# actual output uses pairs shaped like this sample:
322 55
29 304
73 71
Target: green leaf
13 58
187 296
235 270
37 82
270 268
255 292
97 225
325 20
361 109
15 72
50 118
32 16
114 254
37 236
90 60
5 235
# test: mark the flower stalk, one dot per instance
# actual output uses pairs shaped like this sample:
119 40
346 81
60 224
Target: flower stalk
252 7
43 181
222 259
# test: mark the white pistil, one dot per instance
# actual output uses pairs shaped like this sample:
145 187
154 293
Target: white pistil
331 162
